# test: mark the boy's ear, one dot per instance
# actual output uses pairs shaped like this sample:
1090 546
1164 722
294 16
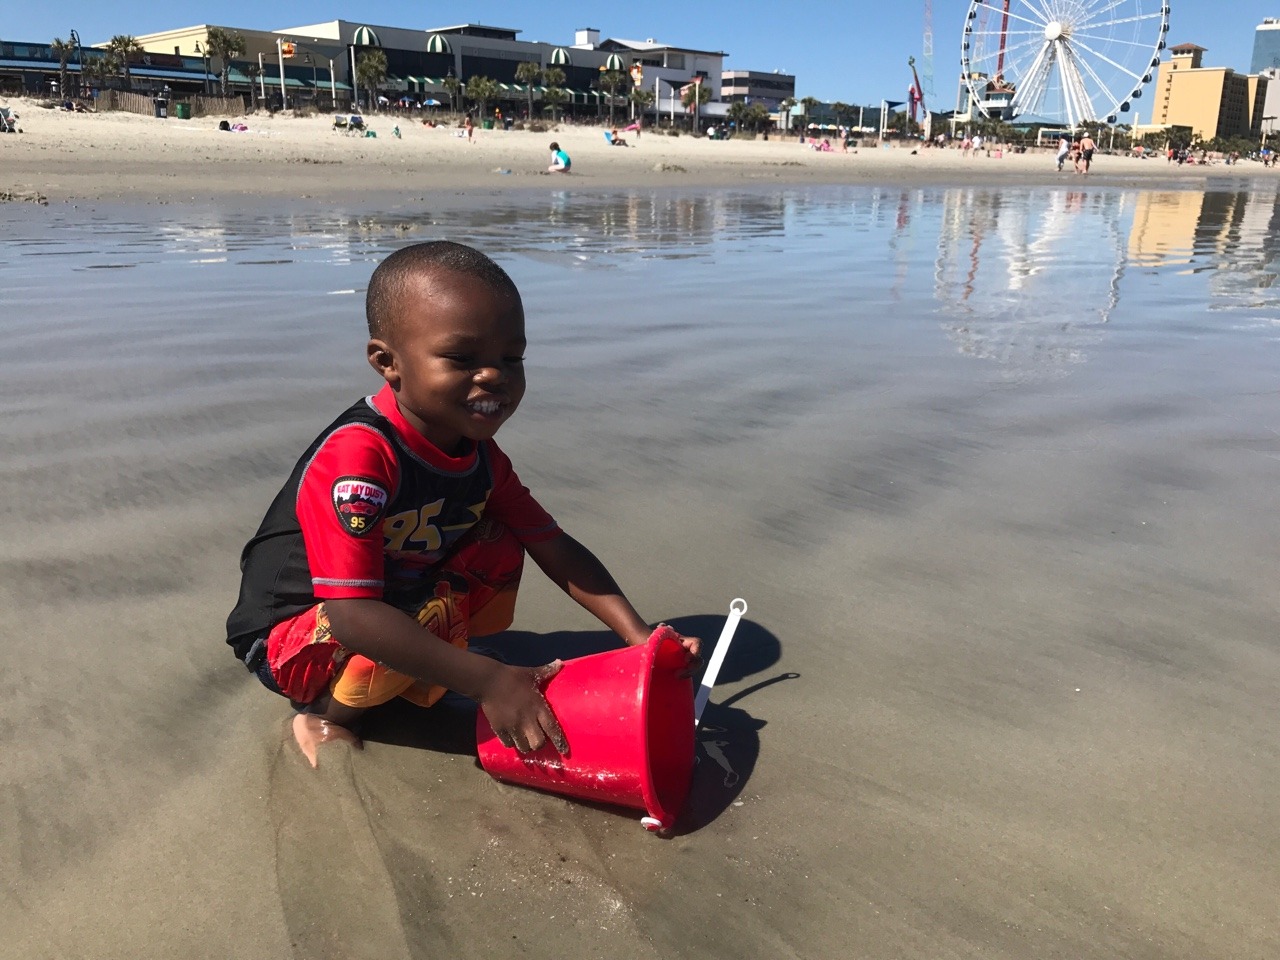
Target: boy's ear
383 359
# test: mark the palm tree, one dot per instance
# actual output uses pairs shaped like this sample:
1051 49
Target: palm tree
784 109
452 85
123 47
693 97
95 69
371 70
62 50
610 81
224 44
808 105
642 98
481 90
530 74
738 115
553 79
253 71
839 108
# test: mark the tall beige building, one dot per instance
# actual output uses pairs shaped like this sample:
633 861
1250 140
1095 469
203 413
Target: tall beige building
1212 101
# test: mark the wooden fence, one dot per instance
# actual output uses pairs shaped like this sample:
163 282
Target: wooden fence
144 104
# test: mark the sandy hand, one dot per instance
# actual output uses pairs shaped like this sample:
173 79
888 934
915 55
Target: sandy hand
517 710
693 647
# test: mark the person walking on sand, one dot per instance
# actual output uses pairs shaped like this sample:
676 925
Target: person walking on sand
469 125
1087 146
402 530
560 162
1064 147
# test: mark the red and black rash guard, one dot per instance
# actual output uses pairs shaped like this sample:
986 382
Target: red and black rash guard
369 511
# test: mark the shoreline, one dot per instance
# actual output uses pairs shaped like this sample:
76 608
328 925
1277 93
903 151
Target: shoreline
65 157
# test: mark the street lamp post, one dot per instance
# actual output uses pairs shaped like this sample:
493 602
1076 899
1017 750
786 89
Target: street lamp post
75 39
306 58
204 55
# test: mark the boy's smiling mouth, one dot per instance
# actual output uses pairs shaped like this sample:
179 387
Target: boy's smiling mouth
487 406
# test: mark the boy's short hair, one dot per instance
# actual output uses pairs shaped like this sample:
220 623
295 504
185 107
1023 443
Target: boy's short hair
555 146
387 285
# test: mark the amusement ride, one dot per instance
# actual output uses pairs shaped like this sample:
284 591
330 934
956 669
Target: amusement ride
1064 61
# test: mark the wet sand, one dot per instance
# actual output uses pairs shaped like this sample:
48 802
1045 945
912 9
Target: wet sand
63 156
1006 688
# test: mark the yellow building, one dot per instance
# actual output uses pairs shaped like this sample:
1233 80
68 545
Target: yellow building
1212 101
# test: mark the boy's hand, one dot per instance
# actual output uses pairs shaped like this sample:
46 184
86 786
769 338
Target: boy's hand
693 647
513 703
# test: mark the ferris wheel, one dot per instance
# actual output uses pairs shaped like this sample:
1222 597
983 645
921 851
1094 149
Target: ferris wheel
1068 61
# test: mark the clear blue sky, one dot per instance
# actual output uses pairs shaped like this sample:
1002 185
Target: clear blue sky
850 50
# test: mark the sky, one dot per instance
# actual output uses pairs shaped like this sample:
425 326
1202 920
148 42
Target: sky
850 50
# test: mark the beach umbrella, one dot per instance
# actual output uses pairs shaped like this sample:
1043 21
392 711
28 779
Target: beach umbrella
431 102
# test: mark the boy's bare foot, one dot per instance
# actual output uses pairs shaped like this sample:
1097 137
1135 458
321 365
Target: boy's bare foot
310 731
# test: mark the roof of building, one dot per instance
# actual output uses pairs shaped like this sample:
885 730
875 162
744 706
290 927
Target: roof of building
643 46
478 30
1186 48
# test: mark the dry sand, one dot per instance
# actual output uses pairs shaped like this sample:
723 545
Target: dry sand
65 156
982 708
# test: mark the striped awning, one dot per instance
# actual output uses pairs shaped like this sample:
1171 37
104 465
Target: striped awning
365 37
614 62
560 58
426 81
438 44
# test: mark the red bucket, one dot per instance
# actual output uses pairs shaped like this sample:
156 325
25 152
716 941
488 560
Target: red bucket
628 718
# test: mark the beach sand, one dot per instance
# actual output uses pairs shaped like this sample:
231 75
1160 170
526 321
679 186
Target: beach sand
64 156
1006 688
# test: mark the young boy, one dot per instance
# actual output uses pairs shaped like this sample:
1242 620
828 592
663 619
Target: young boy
402 530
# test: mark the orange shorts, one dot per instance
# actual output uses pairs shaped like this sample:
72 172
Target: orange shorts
474 595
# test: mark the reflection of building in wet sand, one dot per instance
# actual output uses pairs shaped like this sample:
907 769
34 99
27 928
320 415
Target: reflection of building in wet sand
1027 280
562 229
605 232
1232 233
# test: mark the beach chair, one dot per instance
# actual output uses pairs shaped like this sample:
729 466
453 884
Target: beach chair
9 121
355 124
340 122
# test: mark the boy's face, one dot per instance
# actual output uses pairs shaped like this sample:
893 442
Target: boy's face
455 358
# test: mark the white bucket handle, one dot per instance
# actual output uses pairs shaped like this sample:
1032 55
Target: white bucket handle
736 609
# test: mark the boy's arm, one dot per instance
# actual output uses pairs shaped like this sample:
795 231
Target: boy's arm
509 696
577 571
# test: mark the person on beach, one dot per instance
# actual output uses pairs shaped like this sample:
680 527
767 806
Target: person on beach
402 530
1064 148
1087 146
560 162
469 125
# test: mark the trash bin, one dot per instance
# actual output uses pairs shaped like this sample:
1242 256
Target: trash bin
182 111
162 107
487 124
506 123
